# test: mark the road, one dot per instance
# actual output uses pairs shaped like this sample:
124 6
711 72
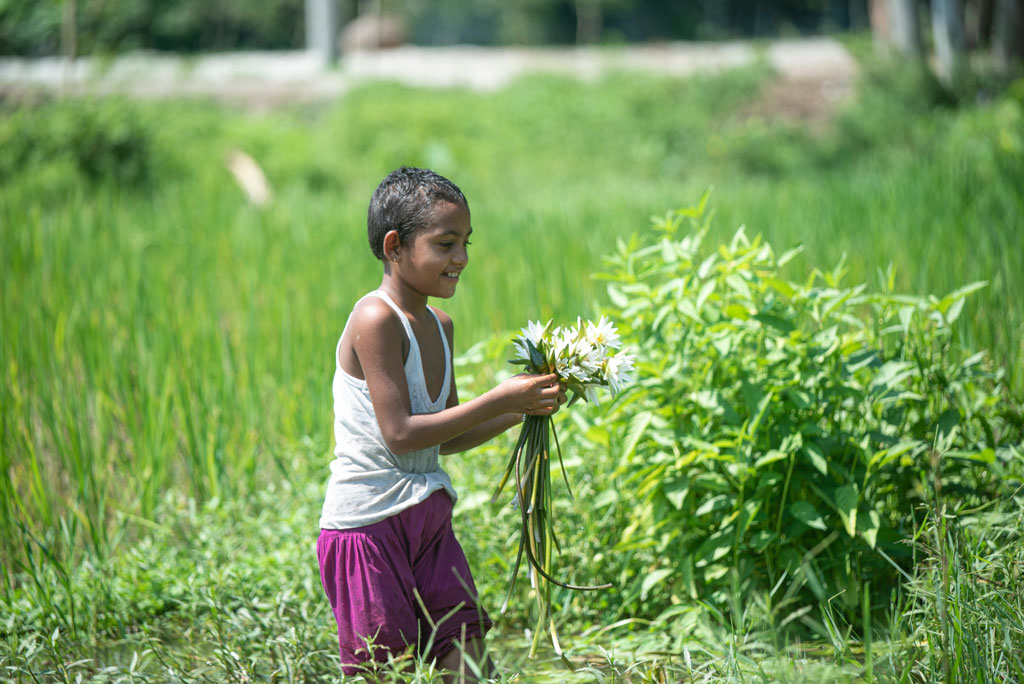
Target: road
269 78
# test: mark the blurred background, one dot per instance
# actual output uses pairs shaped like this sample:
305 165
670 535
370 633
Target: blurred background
36 28
50 27
183 192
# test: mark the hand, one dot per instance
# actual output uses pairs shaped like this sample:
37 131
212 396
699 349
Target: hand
561 399
535 395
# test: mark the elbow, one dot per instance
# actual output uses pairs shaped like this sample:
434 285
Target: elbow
398 442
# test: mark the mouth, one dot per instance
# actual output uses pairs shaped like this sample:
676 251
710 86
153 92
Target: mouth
451 275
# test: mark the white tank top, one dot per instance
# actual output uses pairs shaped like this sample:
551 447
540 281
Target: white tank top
368 483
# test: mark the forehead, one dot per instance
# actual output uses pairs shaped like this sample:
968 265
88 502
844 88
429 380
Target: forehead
448 218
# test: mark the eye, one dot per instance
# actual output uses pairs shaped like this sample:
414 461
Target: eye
467 243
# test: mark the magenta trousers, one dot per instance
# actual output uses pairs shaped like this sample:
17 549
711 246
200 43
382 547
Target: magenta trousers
372 576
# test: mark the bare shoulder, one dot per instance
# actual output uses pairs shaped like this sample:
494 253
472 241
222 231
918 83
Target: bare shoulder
373 316
374 329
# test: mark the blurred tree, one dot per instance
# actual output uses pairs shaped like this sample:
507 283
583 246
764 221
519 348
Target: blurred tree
956 27
590 15
30 28
949 37
896 25
1008 35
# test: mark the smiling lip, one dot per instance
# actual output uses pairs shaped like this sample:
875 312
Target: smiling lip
454 275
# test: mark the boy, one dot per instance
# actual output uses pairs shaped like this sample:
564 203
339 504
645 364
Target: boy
386 549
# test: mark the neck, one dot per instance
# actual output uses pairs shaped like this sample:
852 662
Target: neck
405 297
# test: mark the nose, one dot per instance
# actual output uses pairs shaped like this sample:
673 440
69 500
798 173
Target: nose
461 256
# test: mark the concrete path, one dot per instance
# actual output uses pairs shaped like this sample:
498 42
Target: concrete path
279 77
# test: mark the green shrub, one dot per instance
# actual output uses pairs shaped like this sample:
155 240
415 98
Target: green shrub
99 139
781 431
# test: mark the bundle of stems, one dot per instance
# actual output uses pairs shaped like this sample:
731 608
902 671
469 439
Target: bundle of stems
531 465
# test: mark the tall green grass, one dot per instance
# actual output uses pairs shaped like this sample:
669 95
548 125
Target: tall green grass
162 341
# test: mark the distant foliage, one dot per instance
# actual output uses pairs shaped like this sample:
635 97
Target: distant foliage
93 140
34 28
781 433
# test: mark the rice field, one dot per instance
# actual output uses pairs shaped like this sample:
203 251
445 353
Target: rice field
165 347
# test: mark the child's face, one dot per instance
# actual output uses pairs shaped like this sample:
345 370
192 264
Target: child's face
431 264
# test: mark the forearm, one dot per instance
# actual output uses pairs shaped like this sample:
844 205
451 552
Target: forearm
481 433
458 423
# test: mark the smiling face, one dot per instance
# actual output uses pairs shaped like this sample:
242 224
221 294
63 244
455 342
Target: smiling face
430 264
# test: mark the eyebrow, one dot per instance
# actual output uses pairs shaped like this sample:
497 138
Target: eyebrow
455 233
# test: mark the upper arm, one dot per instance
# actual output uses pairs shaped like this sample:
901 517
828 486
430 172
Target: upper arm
377 341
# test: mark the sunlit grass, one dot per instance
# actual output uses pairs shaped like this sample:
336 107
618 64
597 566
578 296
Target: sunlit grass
165 349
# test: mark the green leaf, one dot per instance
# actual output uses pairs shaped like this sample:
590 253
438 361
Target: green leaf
676 491
618 299
781 324
715 546
955 299
760 541
867 526
715 503
984 456
948 421
846 504
789 254
715 572
771 457
750 510
637 427
723 344
705 292
954 311
653 579
687 308
781 286
738 284
892 374
536 358
805 512
884 457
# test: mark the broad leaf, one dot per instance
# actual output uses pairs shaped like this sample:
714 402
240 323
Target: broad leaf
816 457
653 579
867 526
676 491
846 504
805 512
771 457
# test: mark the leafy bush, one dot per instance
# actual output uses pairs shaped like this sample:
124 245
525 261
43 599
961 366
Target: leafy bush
120 25
781 431
99 140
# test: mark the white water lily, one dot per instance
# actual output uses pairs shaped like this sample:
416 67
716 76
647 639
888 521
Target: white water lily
533 333
603 333
619 371
582 355
584 358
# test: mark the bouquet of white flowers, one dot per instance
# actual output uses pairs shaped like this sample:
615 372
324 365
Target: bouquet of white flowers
586 357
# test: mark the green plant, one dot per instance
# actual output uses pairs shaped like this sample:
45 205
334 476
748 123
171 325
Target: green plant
99 140
780 430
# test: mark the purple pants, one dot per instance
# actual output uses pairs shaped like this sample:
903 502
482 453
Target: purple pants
371 575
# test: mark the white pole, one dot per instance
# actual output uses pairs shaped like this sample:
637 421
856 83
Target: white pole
322 29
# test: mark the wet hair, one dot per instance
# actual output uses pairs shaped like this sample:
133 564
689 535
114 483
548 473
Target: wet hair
405 201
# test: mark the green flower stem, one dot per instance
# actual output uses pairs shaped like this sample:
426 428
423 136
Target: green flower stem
530 464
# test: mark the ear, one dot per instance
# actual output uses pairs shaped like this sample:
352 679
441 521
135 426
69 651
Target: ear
391 245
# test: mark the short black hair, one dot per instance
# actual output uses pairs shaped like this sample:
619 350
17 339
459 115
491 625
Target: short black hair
405 201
